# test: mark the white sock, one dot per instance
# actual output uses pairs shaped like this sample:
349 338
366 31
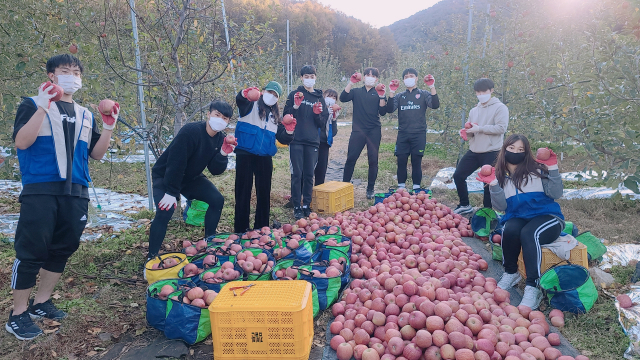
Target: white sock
401 185
416 186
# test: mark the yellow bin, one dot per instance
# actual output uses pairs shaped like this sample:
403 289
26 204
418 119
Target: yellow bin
578 256
332 197
153 275
271 320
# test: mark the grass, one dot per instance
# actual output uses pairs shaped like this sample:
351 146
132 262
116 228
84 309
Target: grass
103 291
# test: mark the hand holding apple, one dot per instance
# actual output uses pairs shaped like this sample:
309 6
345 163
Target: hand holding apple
228 145
487 174
463 134
48 92
394 84
297 99
289 123
251 94
317 108
109 110
546 156
356 78
430 81
473 129
380 88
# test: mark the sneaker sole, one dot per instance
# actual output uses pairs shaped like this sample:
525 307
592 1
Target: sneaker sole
38 317
536 306
465 212
10 330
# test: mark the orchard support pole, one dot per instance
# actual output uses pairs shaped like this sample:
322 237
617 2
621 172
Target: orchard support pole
288 61
147 168
226 34
486 31
466 75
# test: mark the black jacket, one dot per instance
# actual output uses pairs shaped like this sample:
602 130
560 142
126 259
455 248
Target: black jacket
412 108
308 122
190 152
366 108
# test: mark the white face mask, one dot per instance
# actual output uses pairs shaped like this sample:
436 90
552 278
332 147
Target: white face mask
308 83
217 124
369 80
410 82
269 99
484 98
329 101
69 83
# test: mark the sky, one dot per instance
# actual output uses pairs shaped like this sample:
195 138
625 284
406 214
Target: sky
379 13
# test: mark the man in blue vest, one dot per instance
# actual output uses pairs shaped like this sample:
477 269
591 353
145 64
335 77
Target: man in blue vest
54 141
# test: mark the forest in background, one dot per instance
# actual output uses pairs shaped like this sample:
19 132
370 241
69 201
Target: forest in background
569 74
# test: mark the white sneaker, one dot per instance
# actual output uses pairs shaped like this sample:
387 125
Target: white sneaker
463 210
507 281
532 297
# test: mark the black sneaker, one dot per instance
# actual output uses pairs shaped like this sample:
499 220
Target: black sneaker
306 211
297 212
22 326
370 194
46 309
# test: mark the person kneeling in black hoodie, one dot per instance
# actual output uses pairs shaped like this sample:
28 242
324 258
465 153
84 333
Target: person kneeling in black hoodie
197 146
307 106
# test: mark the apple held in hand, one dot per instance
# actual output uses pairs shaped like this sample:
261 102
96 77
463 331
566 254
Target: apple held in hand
253 95
468 125
543 154
287 119
106 106
56 90
485 170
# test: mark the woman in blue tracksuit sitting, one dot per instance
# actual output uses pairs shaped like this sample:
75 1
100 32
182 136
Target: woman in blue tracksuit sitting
525 188
258 128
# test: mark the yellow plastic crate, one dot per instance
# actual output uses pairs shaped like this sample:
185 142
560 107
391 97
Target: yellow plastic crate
272 320
578 257
332 196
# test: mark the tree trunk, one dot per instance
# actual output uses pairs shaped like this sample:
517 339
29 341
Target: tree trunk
179 117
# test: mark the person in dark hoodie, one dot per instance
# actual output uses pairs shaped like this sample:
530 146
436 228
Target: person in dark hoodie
258 128
488 122
197 146
326 137
525 188
412 107
307 106
369 103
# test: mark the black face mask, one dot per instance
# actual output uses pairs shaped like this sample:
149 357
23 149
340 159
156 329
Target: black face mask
514 158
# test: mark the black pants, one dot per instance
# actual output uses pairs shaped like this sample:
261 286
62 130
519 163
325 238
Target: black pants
249 166
357 141
416 168
410 144
323 162
302 160
199 188
469 163
48 233
528 235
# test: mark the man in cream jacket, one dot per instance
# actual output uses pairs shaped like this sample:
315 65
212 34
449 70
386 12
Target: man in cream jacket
488 123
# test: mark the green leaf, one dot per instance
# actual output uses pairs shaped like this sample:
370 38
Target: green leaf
21 66
631 183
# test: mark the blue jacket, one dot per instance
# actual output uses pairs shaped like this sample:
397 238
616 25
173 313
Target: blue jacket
46 159
255 135
535 198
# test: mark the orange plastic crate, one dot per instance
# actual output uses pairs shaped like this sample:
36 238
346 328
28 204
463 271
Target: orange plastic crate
578 257
272 320
332 197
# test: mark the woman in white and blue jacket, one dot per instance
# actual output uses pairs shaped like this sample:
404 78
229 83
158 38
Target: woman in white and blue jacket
525 189
258 128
